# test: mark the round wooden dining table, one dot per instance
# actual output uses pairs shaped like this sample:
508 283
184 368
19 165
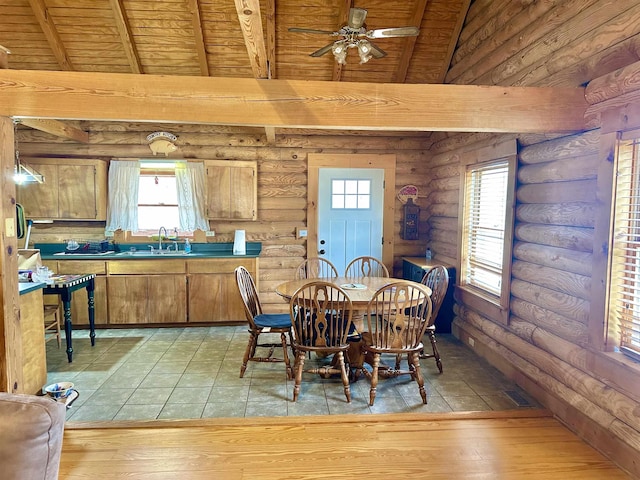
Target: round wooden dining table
360 290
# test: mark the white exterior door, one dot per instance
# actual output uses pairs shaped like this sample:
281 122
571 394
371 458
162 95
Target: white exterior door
350 214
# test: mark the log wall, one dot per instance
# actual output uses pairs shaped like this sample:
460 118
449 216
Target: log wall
554 344
282 182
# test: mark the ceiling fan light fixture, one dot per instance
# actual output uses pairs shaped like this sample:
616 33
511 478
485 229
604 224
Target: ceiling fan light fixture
339 50
364 50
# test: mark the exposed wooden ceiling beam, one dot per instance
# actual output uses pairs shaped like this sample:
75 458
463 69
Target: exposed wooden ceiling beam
122 23
291 103
251 24
271 135
271 38
51 34
444 68
343 18
410 42
4 57
57 128
194 8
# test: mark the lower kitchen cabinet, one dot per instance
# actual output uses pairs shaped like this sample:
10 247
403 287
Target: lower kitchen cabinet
213 293
135 299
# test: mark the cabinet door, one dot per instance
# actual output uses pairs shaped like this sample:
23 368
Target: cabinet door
40 200
214 298
77 192
232 190
127 298
79 305
167 299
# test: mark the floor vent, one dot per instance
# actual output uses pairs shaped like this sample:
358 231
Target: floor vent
517 398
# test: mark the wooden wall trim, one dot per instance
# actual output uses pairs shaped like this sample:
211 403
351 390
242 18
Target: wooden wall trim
10 327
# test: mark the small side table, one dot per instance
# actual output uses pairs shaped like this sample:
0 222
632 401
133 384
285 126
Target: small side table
65 285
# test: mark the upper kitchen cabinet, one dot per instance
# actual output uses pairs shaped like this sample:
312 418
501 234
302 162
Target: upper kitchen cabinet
232 190
72 190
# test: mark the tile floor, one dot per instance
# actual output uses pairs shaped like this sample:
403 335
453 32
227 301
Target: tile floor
171 373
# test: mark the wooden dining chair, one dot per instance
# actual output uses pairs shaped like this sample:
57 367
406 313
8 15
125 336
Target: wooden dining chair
52 323
262 323
317 267
437 279
321 317
396 321
366 267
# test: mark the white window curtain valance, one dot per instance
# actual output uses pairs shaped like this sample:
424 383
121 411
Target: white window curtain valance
122 211
191 196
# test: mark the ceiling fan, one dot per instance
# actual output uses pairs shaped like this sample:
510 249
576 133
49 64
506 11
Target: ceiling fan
356 35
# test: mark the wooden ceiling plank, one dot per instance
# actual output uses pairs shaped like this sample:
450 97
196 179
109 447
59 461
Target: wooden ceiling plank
251 25
290 103
343 18
124 29
51 34
271 38
444 66
57 128
194 8
400 75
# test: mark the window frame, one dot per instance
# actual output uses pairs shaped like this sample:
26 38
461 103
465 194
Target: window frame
490 304
628 143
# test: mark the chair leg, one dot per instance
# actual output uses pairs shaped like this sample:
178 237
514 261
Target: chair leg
374 378
249 352
283 338
414 359
298 366
436 354
345 377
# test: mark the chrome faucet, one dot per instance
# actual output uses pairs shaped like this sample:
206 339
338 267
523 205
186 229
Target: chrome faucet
160 237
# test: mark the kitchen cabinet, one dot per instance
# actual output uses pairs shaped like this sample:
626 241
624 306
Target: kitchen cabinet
147 291
73 190
212 289
232 190
34 359
414 268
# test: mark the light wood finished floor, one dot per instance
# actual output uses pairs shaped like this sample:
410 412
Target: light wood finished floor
489 445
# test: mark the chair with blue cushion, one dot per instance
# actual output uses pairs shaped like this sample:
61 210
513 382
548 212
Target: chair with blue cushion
262 323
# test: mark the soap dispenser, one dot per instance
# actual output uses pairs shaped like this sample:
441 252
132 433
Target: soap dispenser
187 246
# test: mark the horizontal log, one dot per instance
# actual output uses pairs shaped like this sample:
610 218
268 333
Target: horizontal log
571 146
449 183
569 214
568 306
583 168
447 249
443 196
558 258
443 210
570 330
614 84
564 282
282 191
306 104
444 223
610 405
445 171
573 238
560 192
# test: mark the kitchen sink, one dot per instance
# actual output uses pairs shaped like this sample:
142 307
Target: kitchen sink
148 253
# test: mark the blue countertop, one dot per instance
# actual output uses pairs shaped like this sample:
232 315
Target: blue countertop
138 251
26 287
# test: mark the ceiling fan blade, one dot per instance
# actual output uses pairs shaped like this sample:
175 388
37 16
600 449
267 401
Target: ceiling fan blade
357 17
311 30
322 51
376 51
393 32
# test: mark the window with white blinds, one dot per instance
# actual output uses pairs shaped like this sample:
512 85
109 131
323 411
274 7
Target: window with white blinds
486 194
624 306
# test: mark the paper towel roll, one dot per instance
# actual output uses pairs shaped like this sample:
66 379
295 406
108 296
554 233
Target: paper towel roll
239 243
